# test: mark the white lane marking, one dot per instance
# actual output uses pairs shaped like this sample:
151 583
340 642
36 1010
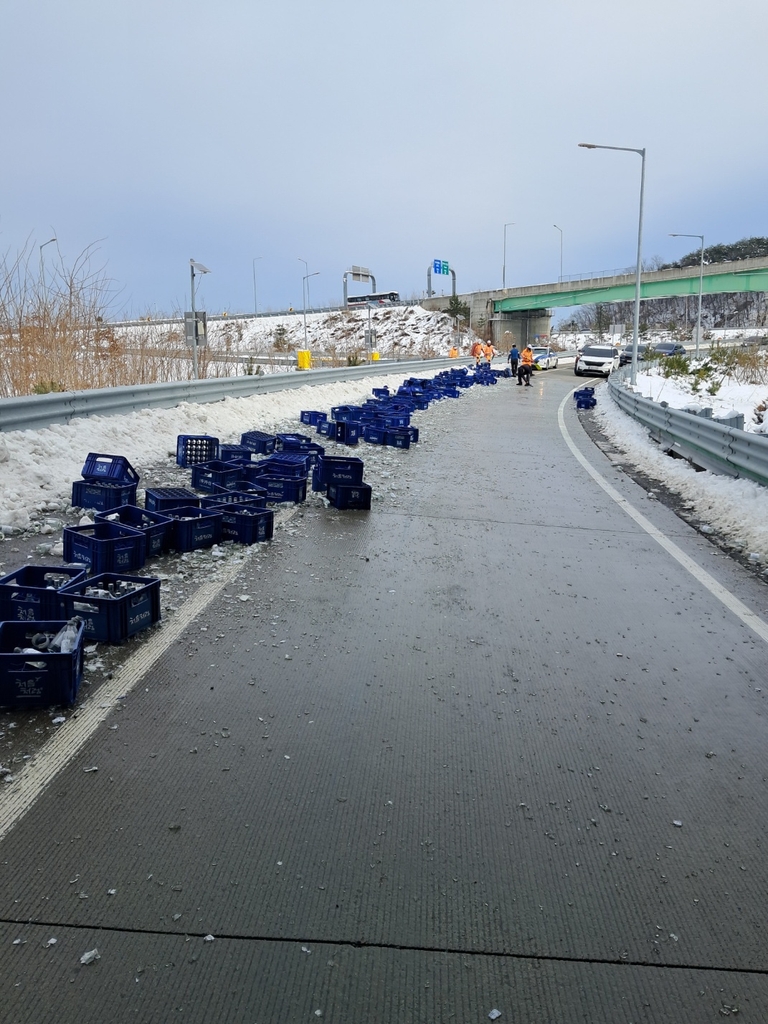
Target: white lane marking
18 797
731 602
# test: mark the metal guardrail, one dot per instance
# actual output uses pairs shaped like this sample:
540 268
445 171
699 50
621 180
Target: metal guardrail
704 441
178 321
34 412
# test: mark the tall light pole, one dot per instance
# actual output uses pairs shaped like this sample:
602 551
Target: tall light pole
639 269
307 277
305 296
701 284
504 265
42 272
560 279
194 266
255 303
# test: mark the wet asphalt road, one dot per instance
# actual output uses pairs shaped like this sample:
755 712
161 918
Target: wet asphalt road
431 768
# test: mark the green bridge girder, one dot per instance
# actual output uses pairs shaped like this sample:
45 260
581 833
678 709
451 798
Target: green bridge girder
745 281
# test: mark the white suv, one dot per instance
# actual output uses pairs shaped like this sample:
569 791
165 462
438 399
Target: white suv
600 359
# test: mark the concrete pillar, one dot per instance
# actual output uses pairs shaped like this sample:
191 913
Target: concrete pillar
522 327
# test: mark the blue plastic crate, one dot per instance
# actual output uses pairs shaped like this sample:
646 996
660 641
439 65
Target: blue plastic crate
106 547
102 494
586 403
195 528
113 606
393 419
340 470
155 526
350 496
243 487
374 434
32 592
326 428
310 416
114 468
300 443
42 679
160 499
584 393
291 442
234 499
192 449
228 452
281 488
398 438
247 524
348 432
208 475
259 442
289 463
344 413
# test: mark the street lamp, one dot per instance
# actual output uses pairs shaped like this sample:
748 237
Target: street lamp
194 266
255 303
504 265
308 275
560 279
701 284
305 296
639 269
42 270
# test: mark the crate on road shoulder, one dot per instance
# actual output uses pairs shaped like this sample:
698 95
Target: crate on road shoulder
350 496
259 442
192 449
113 606
153 525
102 494
207 475
114 468
32 592
160 499
42 678
106 547
195 528
247 524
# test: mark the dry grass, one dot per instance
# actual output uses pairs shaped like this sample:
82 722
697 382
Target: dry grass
55 337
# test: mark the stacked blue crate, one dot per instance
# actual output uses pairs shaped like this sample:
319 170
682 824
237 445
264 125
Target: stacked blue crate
108 481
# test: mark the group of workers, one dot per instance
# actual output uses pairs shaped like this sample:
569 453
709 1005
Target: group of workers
521 364
483 353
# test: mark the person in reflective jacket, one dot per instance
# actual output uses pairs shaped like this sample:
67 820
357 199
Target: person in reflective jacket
525 368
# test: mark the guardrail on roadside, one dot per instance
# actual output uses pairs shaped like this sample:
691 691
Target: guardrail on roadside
34 412
705 441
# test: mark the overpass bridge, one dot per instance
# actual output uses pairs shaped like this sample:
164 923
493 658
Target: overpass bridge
524 312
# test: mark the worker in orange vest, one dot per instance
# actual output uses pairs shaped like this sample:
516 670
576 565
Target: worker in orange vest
525 368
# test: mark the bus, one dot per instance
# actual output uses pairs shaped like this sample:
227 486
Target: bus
376 299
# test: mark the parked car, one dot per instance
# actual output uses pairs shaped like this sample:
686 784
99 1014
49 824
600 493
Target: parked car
544 358
625 356
600 359
669 348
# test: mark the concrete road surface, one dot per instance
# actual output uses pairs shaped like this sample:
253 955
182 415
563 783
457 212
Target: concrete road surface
497 745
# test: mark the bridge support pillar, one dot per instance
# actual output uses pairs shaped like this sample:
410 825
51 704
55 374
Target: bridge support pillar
521 327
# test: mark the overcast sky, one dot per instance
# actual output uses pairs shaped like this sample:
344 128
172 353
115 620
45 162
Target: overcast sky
385 135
